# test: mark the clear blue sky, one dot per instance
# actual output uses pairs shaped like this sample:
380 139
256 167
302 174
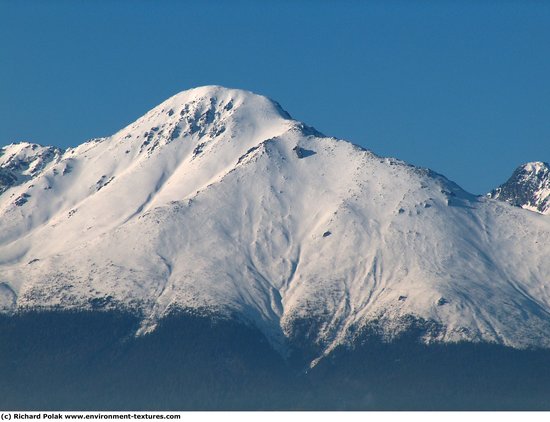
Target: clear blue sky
462 87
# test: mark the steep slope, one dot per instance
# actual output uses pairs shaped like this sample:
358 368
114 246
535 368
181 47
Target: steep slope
218 203
528 188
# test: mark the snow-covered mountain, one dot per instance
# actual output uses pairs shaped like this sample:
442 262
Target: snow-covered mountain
218 202
22 162
528 188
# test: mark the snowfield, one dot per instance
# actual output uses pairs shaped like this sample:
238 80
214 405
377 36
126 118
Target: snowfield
217 201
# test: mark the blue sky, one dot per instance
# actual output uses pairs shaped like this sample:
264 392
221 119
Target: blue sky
462 87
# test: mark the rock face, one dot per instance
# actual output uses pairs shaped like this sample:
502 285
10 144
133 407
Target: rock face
528 188
217 203
23 161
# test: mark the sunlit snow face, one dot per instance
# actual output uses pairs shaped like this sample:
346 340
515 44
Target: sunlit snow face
218 202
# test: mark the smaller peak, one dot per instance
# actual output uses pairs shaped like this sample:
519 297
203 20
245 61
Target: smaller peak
528 187
22 161
21 145
535 166
27 148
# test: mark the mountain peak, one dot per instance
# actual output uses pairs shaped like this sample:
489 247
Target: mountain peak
216 94
535 167
21 161
206 112
528 187
216 202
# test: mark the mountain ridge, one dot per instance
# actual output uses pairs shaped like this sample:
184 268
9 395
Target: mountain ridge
216 201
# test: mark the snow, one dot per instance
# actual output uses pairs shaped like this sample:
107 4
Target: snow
528 188
535 167
204 204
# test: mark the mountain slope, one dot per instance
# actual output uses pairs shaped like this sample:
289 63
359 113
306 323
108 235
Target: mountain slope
528 188
217 202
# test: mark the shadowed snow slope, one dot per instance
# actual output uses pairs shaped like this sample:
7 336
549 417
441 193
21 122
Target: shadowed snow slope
216 201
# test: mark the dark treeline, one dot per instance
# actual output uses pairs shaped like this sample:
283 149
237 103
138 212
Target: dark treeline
92 360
